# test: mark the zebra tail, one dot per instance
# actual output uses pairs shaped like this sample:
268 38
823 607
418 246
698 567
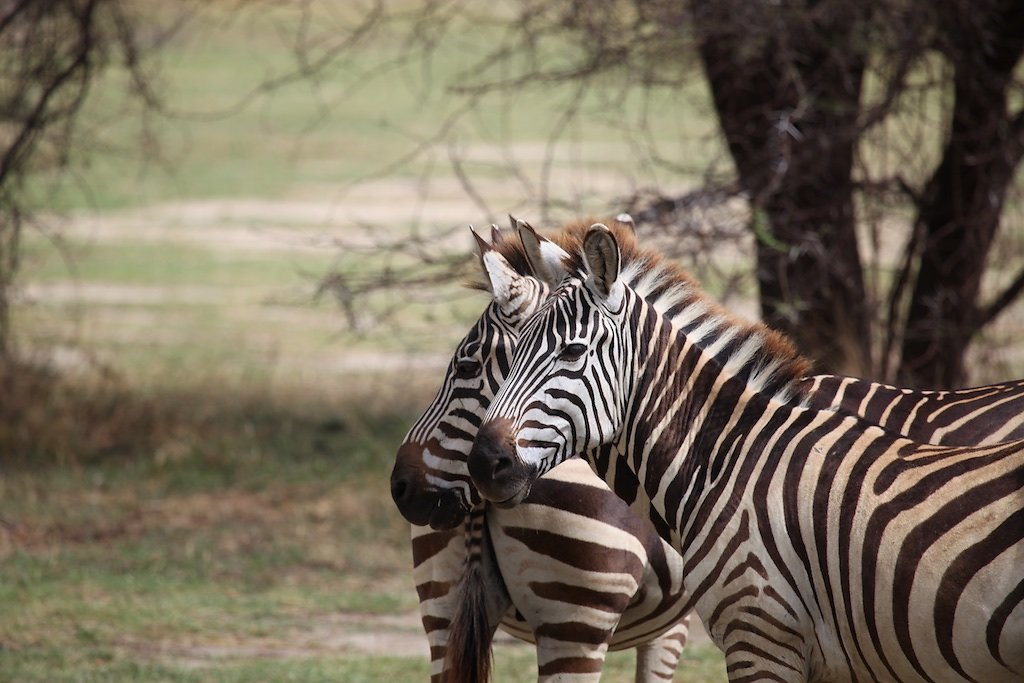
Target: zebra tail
483 600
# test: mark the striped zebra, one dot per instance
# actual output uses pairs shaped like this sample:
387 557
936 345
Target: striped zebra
931 416
584 573
817 546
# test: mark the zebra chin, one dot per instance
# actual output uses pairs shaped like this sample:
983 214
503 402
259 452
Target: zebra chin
440 510
498 473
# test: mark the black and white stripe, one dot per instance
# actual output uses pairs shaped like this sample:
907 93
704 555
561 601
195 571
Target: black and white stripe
817 546
584 573
963 417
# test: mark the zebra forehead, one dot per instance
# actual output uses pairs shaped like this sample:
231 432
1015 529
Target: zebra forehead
474 338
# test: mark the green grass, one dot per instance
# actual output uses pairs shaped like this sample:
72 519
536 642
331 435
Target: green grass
95 664
217 547
512 665
171 264
235 521
99 664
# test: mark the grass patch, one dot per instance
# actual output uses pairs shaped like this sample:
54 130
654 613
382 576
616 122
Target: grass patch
183 426
97 664
512 665
170 264
213 518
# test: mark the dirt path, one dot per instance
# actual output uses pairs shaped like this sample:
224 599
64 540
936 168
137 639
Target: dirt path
332 635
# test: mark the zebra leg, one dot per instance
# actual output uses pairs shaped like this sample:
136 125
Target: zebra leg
568 661
657 660
438 560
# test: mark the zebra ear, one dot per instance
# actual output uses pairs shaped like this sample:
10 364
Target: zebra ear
626 220
501 277
482 246
546 259
601 252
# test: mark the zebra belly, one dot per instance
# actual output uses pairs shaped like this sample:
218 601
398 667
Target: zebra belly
516 626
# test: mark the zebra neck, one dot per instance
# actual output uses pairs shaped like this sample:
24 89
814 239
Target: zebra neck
680 429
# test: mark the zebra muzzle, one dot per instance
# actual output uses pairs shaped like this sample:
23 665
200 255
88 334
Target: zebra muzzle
497 471
419 501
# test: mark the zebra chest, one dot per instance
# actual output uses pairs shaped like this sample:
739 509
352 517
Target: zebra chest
553 561
572 548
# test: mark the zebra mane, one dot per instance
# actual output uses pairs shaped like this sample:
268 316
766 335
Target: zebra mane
749 351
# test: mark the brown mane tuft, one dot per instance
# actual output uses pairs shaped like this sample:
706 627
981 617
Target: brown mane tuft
777 351
569 237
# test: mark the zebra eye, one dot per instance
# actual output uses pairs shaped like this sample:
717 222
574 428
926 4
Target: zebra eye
572 352
467 369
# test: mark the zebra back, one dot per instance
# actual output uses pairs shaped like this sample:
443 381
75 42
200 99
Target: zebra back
961 417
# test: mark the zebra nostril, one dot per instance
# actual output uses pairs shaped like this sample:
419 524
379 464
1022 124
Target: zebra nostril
502 464
399 489
492 462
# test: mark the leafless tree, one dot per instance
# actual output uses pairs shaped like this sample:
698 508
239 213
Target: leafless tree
807 96
788 85
51 54
960 207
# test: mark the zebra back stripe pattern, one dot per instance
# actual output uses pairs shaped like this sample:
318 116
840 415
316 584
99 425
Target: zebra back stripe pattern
961 417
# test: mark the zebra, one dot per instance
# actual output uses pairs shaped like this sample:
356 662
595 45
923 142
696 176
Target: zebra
584 573
816 546
932 416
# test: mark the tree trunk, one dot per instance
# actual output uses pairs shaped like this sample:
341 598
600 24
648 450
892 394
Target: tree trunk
10 249
961 206
786 86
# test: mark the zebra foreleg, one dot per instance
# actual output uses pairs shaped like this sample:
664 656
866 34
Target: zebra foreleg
438 561
657 660
565 661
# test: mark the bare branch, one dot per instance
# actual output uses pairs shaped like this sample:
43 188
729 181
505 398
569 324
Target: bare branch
989 313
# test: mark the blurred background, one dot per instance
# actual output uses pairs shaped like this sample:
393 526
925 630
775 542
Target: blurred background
233 241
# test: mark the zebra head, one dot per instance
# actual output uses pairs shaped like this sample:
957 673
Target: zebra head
430 482
565 393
